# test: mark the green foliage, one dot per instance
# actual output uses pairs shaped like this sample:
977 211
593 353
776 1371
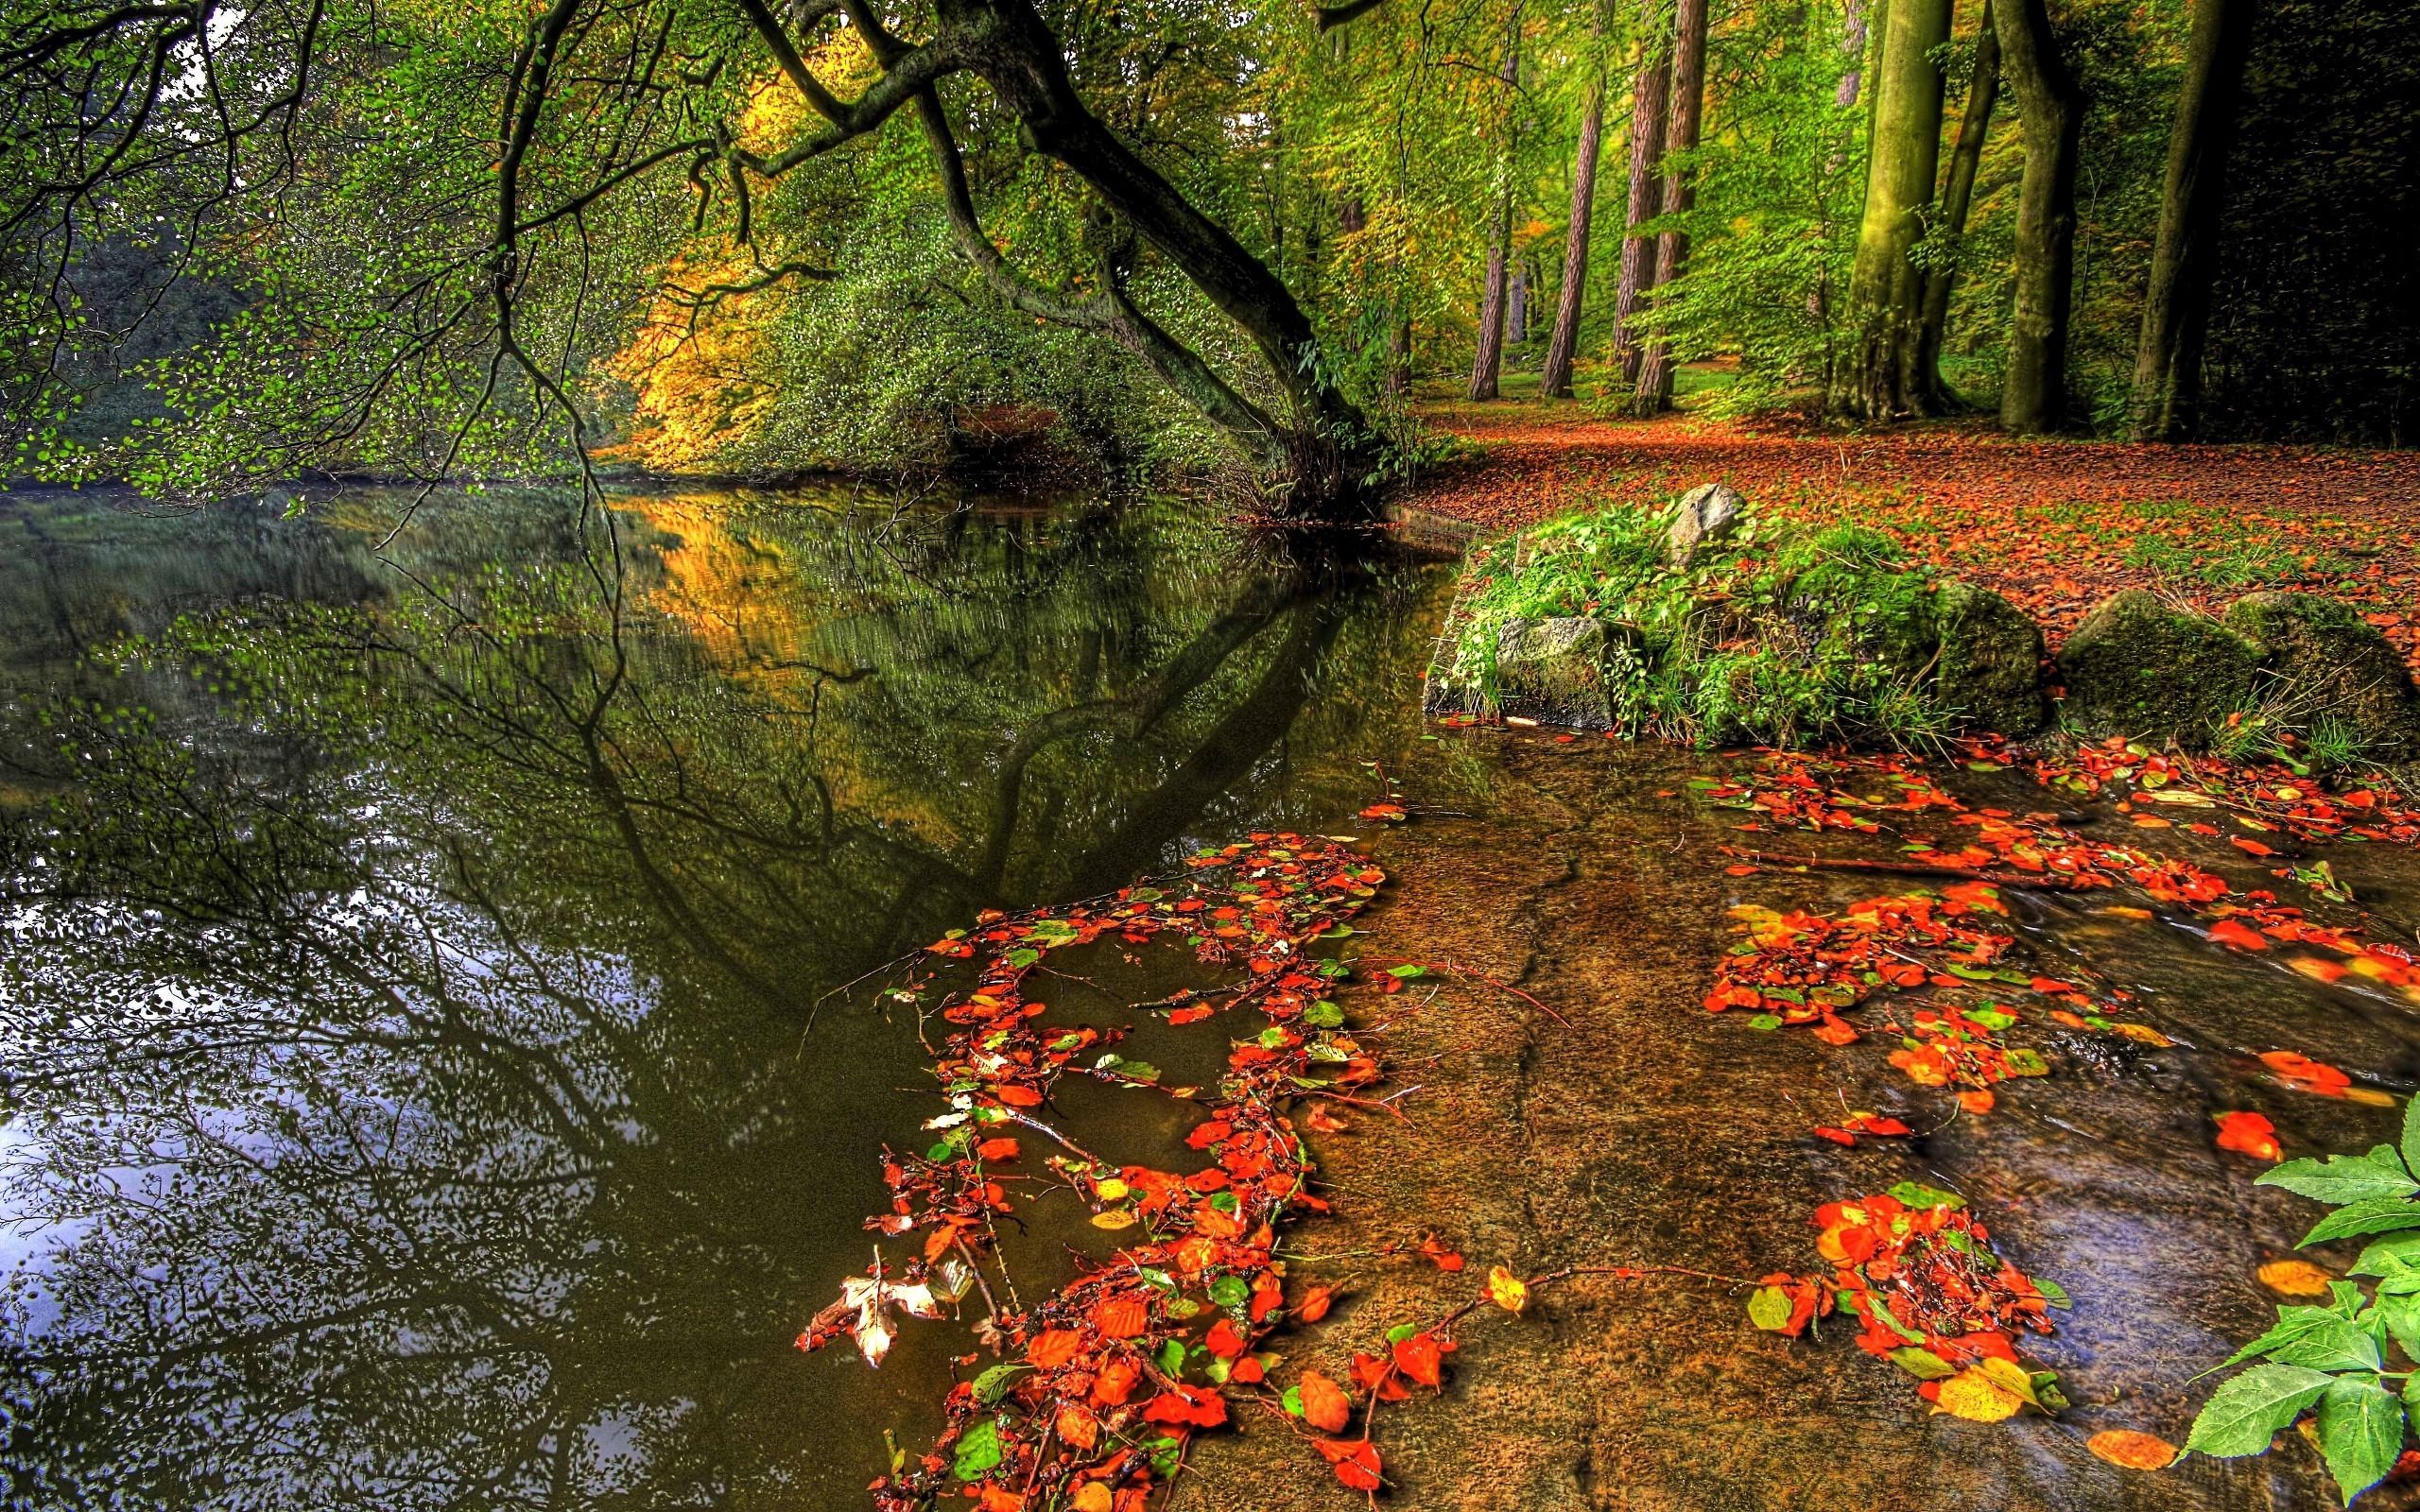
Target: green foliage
2336 1357
1779 634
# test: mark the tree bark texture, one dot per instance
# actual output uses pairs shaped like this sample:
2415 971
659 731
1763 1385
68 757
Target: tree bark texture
1653 393
1886 288
1487 363
1957 197
2176 306
2049 109
1649 100
1554 380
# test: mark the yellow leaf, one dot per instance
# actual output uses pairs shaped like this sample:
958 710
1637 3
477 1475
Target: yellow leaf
1114 1218
1093 1496
1506 1290
2129 1450
2368 1097
2144 1032
2295 1277
1978 1398
1112 1189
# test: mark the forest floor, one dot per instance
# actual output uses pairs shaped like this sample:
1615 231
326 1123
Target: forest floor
2056 525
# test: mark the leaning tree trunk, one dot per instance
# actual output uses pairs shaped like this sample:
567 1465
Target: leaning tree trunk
1956 196
1886 288
1554 379
1649 101
2176 306
2049 109
1653 394
1488 360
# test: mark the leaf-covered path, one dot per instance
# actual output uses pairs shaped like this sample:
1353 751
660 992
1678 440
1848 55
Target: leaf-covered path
2057 525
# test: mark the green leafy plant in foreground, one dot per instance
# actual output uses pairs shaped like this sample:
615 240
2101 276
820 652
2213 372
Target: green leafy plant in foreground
2336 1358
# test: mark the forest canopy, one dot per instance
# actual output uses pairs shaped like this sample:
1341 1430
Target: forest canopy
416 240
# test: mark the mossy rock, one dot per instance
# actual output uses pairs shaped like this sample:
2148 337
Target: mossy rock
1555 671
2138 668
2327 661
1990 663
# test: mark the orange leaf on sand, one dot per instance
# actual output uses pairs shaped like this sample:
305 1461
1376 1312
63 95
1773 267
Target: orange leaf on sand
2129 1450
2250 1134
1422 1357
1357 1464
1314 1304
2295 1277
1325 1406
1435 1249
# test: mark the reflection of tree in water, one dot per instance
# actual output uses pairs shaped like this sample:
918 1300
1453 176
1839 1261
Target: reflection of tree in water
405 1038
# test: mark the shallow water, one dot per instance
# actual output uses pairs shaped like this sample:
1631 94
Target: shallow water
429 1083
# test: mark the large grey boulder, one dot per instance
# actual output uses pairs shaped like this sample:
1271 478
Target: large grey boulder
1557 671
2326 659
1989 665
1707 514
2138 668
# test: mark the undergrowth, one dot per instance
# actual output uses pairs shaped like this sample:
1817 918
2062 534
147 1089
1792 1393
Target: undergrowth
1778 633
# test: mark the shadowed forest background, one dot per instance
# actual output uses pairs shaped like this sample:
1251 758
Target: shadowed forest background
248 243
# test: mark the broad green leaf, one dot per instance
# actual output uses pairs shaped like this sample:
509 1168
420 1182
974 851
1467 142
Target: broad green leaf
2372 1215
2401 1314
1922 1363
978 1450
1768 1308
2344 1179
2361 1430
2384 1257
993 1383
2244 1414
1917 1194
1229 1291
1407 972
2317 1337
2411 1133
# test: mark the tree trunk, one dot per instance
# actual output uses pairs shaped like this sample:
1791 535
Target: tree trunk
1653 394
2176 306
1649 101
1554 380
1516 314
2050 110
1845 93
1489 361
1886 288
1956 195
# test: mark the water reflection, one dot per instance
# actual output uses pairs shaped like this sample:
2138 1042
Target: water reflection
407 967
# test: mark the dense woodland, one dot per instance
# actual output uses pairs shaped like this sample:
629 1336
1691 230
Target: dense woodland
423 239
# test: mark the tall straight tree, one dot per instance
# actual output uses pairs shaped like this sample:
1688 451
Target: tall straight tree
2176 306
1653 394
1879 379
1554 379
1956 196
1487 365
2050 108
1649 100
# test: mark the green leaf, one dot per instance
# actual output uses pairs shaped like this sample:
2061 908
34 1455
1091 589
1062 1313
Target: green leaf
1324 1015
2244 1414
2384 1257
1922 1363
2052 1292
2318 1338
1764 1022
993 1383
1768 1308
1229 1291
1172 1358
1291 1400
1918 1195
2372 1215
2344 1179
978 1450
2411 1133
2401 1315
2361 1430
1407 972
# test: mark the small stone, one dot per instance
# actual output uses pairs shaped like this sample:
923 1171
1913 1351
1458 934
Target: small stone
1989 668
2140 669
2326 659
1707 514
1555 671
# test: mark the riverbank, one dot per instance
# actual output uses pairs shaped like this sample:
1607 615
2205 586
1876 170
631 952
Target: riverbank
2056 525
